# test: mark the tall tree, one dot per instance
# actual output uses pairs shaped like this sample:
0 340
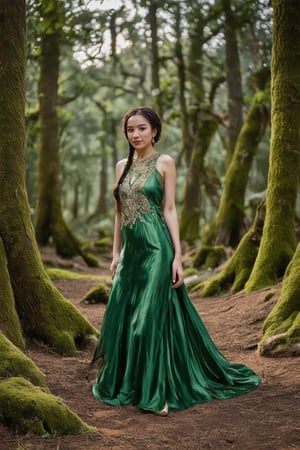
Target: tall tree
233 77
30 306
228 225
155 77
278 240
187 141
203 125
49 217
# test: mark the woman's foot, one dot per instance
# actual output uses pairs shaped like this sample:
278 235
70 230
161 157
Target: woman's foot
164 412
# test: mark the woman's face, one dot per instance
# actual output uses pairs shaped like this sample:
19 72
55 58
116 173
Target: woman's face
139 132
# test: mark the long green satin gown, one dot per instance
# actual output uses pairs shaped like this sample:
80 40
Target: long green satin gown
153 346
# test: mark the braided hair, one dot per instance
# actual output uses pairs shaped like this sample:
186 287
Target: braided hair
155 123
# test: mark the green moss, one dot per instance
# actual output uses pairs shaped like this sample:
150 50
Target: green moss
62 274
28 409
189 225
282 326
52 319
278 241
14 363
90 259
104 244
209 257
230 214
189 271
69 329
10 323
98 294
237 270
269 295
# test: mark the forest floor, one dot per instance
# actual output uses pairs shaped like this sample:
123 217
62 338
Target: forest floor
265 419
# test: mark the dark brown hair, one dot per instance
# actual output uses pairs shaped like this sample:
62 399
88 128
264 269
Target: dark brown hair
155 123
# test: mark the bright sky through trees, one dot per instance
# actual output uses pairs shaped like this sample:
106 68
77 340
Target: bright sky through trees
104 4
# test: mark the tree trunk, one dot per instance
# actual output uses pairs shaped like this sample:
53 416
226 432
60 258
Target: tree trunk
227 229
75 201
108 138
102 202
9 320
281 328
234 80
278 241
49 217
203 128
27 298
101 207
187 142
155 79
238 269
191 210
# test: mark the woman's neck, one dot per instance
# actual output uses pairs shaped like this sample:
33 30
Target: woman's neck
141 155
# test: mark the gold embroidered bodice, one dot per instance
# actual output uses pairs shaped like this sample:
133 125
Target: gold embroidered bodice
133 200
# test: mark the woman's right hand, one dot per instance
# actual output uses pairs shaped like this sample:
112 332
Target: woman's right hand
114 265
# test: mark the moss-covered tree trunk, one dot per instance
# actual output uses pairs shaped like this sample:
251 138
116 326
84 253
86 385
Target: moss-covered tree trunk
49 217
29 303
42 311
282 327
227 229
238 269
278 241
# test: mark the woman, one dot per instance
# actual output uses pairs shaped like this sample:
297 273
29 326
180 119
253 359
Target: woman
155 351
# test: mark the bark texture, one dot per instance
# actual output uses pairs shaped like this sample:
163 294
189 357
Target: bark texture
282 326
238 269
233 78
27 298
228 226
278 242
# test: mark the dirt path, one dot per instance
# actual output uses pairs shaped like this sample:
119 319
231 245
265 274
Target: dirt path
266 419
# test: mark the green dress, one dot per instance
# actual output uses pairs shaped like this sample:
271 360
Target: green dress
153 346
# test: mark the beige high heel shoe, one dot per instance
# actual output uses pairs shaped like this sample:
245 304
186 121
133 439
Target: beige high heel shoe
164 412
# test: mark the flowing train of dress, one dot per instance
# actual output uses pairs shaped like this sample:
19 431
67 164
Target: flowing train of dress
153 344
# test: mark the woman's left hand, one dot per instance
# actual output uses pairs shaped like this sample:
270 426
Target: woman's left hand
177 273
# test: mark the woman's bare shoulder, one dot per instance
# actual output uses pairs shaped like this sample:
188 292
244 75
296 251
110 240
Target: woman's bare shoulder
166 161
121 163
120 166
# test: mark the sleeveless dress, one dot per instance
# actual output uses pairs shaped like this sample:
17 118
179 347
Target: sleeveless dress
153 346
